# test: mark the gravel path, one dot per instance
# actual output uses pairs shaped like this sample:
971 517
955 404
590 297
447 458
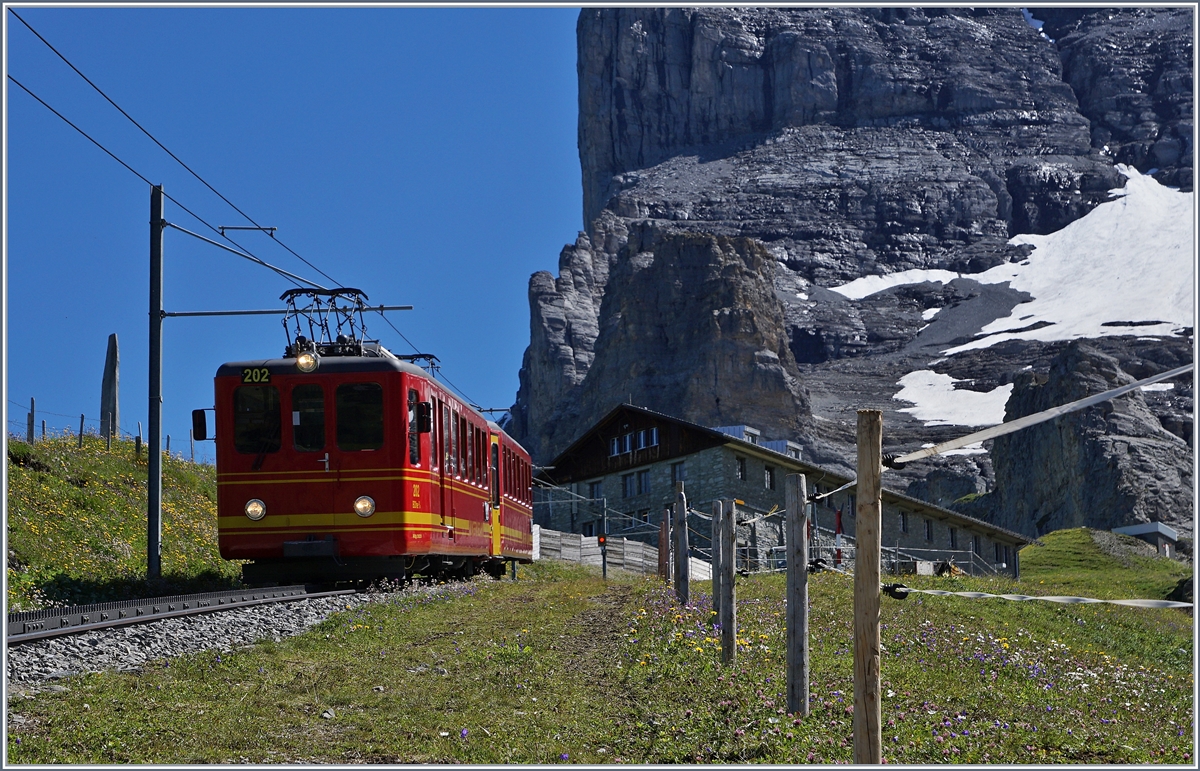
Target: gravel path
34 665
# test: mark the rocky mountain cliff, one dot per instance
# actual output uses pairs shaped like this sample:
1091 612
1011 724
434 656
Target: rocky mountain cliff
738 163
1107 466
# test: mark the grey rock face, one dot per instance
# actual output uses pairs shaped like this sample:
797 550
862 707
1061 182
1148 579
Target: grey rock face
1107 466
1131 69
846 142
658 83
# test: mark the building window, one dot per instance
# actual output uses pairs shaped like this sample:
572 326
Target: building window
596 490
793 453
627 488
928 529
852 505
627 443
644 516
652 438
953 538
997 553
589 528
641 439
643 481
1006 559
614 447
769 477
741 469
678 472
977 545
904 522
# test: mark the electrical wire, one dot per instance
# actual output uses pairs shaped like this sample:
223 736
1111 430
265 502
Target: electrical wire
164 148
247 253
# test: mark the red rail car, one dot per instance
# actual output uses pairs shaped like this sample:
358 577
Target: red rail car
363 468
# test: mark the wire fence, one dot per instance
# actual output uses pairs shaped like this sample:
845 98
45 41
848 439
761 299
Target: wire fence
93 427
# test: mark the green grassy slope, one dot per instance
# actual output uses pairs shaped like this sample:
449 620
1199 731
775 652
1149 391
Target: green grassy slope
561 667
77 524
1071 561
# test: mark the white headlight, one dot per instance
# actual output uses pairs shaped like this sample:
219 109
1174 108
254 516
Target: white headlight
256 509
364 506
307 362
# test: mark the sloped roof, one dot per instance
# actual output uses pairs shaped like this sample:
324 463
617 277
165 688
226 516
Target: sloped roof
801 466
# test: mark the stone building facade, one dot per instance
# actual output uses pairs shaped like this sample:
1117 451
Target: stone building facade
622 474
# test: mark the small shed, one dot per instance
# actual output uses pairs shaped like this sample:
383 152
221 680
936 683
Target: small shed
1163 537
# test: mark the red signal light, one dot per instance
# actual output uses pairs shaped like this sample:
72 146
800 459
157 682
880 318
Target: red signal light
600 539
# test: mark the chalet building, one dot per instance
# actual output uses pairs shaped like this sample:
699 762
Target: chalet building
622 473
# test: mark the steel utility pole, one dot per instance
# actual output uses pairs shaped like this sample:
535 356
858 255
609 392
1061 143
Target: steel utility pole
154 482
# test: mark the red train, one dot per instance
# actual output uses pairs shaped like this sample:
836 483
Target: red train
343 462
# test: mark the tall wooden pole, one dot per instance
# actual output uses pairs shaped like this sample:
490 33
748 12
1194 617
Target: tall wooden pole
154 481
728 617
795 498
717 510
868 748
682 581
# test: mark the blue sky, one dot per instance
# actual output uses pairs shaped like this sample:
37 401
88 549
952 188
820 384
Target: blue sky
426 156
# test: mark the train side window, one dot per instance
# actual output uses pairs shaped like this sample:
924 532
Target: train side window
414 435
436 434
464 457
256 427
495 475
447 456
308 417
456 442
359 416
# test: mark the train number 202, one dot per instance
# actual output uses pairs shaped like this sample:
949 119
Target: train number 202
256 375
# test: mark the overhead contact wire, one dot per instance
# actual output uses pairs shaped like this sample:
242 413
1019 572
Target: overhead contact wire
168 152
245 252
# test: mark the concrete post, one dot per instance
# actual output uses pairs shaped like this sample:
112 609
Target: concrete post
110 411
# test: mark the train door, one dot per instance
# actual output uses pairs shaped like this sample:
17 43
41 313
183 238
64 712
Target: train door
310 443
441 430
357 450
494 502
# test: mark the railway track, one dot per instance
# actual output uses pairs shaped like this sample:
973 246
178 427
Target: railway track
28 626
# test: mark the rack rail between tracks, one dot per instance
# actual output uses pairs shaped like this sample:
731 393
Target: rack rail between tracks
30 625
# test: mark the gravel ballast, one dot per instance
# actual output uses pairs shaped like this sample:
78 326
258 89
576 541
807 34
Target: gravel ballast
33 665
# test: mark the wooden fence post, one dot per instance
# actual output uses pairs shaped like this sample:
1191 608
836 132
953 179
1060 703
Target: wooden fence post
81 432
682 554
29 424
728 617
868 748
797 594
717 509
664 548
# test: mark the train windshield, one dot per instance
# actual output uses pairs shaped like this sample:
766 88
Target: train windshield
256 419
359 416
